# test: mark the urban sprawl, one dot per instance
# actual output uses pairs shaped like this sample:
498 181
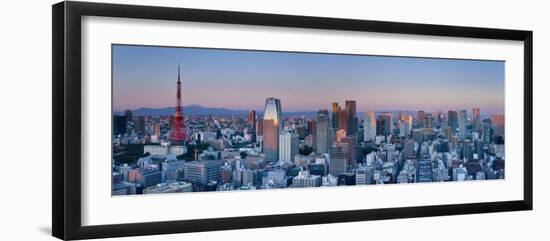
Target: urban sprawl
269 150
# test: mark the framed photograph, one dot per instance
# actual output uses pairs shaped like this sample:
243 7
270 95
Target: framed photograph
171 120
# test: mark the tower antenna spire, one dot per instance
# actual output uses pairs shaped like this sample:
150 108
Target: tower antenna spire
179 132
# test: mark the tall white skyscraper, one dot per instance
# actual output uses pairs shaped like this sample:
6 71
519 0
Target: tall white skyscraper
369 126
462 124
289 144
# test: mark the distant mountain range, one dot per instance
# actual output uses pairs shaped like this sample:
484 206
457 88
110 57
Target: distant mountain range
201 110
188 110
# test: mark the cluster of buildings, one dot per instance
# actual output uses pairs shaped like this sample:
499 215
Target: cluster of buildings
338 147
271 150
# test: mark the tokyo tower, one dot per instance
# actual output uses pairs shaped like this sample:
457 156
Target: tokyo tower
179 132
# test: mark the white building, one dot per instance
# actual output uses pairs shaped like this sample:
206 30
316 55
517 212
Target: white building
164 149
460 173
304 179
289 144
369 127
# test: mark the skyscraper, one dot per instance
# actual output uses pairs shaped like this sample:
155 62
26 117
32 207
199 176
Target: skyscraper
476 121
348 146
369 127
272 126
343 120
386 119
487 131
335 110
322 132
406 125
156 130
139 125
289 144
421 117
312 127
462 124
452 119
338 162
351 109
498 124
119 124
252 119
260 127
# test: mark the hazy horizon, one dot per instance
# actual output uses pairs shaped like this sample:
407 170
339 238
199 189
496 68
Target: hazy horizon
329 109
145 77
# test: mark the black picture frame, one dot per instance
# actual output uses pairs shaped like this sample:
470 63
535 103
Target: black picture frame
66 157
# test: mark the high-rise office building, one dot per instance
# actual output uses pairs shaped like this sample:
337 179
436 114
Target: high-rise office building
348 144
364 175
289 144
335 110
385 121
139 125
312 127
272 126
498 124
462 124
369 127
476 121
428 120
421 118
156 130
202 171
323 137
467 150
338 162
452 120
487 131
380 125
439 119
343 120
408 150
351 109
260 127
252 119
405 127
119 124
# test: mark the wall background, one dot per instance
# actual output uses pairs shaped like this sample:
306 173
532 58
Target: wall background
25 79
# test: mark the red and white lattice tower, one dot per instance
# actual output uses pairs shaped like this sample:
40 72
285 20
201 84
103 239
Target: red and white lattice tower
179 132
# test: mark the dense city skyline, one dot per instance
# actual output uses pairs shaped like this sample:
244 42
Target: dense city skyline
214 78
175 151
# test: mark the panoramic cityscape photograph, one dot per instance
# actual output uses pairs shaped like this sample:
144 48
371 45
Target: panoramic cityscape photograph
209 120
